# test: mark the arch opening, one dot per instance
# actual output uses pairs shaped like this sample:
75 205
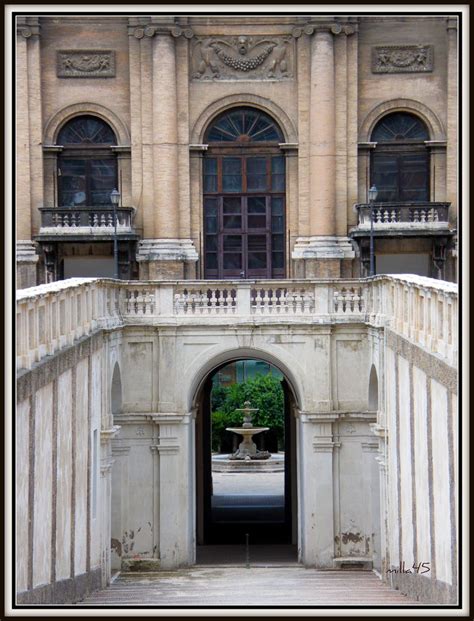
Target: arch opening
373 390
116 391
256 496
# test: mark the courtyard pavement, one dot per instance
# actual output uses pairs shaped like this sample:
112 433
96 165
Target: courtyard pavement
273 578
291 586
248 483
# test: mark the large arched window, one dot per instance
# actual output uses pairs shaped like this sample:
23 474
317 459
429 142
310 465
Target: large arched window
400 161
87 168
244 197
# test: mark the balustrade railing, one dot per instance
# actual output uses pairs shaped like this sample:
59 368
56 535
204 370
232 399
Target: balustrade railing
67 220
413 215
50 317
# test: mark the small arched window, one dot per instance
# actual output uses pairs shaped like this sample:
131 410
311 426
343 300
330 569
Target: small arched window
87 168
244 125
400 161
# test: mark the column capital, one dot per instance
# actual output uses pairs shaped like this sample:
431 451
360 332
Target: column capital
28 27
333 28
139 32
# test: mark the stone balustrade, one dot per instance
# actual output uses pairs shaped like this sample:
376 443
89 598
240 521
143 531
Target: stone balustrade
404 215
51 317
85 220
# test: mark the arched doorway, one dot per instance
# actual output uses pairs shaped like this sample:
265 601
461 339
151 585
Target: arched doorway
244 184
231 506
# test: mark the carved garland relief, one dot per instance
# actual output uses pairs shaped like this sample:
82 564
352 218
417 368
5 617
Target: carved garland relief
242 57
86 64
402 59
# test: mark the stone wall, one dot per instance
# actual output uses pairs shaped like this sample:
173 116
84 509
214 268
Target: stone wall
63 470
422 479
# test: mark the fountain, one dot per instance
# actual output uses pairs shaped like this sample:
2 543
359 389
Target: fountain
248 449
248 458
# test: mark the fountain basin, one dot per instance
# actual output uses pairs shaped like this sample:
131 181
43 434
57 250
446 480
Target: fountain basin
223 463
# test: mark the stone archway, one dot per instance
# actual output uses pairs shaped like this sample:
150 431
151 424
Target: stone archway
209 532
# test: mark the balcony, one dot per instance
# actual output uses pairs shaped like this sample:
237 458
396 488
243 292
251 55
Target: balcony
403 218
85 223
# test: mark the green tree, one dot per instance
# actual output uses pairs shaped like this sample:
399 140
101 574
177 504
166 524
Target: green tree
263 391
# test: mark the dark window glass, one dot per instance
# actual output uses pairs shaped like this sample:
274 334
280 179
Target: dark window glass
278 260
400 162
84 130
256 173
231 174
232 242
232 205
87 173
211 261
210 174
277 242
399 126
211 243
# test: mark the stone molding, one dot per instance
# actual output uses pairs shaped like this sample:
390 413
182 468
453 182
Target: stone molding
63 115
26 251
437 131
402 59
85 64
323 247
226 103
166 250
107 434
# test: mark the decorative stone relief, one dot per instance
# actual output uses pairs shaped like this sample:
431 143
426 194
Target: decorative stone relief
402 59
242 57
86 64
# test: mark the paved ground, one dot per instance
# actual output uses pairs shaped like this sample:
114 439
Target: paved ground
290 585
247 483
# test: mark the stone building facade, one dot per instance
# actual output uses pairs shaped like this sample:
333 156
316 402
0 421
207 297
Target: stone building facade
241 147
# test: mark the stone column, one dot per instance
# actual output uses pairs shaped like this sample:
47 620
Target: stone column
29 176
323 250
316 485
165 253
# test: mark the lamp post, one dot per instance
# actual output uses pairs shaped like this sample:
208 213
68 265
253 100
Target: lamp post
115 198
372 197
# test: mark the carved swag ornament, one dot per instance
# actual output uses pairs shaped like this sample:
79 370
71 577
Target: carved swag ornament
242 57
86 64
402 59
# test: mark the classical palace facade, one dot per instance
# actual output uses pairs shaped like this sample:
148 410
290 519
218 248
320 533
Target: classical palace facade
230 183
240 147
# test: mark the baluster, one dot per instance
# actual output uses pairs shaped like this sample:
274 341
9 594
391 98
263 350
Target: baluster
423 215
266 302
307 302
258 301
385 215
416 215
212 308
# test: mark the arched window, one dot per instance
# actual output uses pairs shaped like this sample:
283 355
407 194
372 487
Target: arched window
244 197
400 161
87 168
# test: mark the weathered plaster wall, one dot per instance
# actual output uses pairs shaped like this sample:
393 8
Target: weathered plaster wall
422 480
61 413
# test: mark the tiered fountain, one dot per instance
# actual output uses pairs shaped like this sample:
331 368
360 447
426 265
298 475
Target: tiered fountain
248 458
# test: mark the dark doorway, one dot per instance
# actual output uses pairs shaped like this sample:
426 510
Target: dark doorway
227 512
